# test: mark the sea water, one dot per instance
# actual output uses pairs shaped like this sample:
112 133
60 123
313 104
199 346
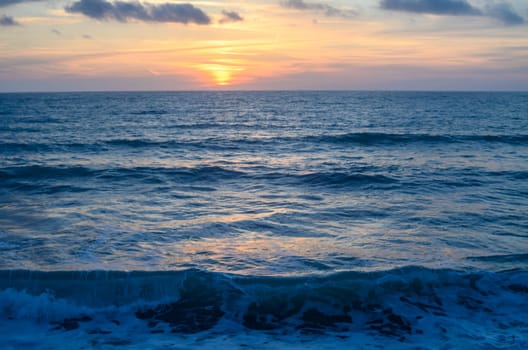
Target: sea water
264 220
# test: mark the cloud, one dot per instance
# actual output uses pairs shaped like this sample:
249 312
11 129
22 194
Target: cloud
230 16
504 13
124 11
435 7
328 10
7 21
501 11
5 3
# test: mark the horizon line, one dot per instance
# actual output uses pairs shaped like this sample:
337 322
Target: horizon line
261 90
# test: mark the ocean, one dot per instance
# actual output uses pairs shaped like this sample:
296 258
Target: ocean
264 220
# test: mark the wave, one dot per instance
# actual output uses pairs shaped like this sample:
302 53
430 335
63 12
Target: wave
517 258
374 138
137 143
339 178
36 176
43 172
48 147
199 173
77 178
358 138
392 303
19 146
371 138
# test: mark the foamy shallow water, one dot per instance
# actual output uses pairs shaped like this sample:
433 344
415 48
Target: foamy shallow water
410 307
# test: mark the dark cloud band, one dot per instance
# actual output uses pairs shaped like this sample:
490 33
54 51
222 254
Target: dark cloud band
124 11
501 11
437 7
328 10
230 16
6 3
504 13
7 21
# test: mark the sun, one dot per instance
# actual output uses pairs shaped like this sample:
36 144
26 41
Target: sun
221 74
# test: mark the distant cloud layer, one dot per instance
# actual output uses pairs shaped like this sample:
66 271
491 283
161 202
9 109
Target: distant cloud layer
5 3
504 13
328 10
124 11
437 7
501 11
230 16
7 21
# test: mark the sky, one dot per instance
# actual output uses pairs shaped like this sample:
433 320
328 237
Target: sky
99 45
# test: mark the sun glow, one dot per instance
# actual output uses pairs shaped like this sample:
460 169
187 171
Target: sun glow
221 74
